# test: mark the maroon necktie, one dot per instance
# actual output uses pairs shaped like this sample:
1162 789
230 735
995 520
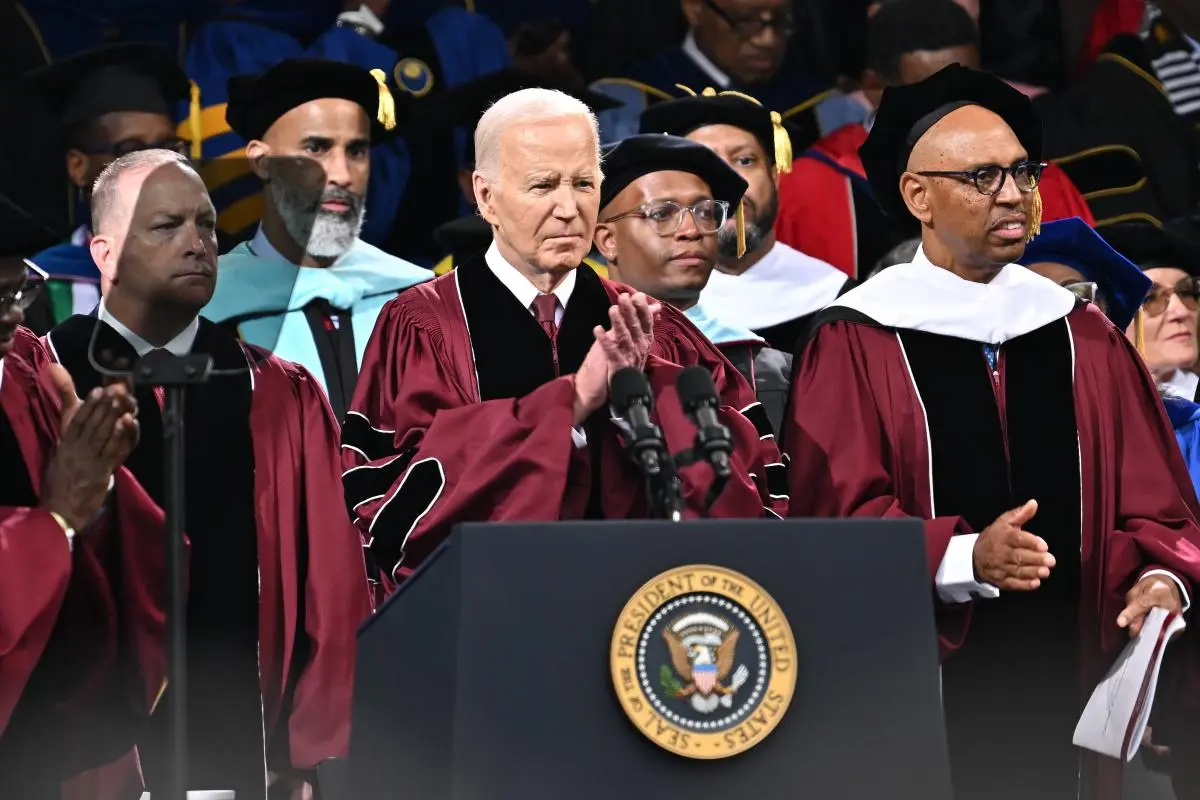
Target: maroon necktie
544 306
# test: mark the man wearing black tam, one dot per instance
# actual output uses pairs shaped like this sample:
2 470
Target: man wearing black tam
663 206
1018 423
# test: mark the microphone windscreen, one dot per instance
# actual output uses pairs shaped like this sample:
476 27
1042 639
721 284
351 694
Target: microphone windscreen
695 387
629 384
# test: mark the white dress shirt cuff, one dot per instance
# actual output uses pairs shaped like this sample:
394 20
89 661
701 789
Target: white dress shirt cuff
1183 592
578 438
955 578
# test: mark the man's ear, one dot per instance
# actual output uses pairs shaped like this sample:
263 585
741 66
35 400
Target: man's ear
691 11
485 197
105 253
257 153
606 242
78 167
915 192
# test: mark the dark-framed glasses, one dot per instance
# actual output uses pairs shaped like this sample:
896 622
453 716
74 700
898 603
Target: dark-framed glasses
23 296
989 179
127 146
666 217
1187 290
749 27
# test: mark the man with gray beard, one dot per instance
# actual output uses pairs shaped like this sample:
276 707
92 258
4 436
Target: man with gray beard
772 289
306 287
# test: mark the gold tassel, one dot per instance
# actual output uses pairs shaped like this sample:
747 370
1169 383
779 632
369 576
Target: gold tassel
783 144
387 104
1139 333
739 221
690 92
1035 216
195 126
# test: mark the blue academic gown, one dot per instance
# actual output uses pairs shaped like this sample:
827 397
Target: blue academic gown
1185 418
275 293
468 46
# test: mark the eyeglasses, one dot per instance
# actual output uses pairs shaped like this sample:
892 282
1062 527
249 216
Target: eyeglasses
667 217
989 179
1088 291
1187 290
127 146
31 287
749 27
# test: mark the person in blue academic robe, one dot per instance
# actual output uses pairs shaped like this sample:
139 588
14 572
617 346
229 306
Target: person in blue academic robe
453 46
307 287
107 102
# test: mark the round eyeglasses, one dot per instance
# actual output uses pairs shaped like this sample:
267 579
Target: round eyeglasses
23 296
989 179
666 217
1187 290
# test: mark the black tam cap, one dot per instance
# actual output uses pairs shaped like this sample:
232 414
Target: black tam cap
257 101
1149 246
906 113
629 159
681 117
124 77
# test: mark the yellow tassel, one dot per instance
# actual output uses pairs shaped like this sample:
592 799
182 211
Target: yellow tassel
740 224
1035 216
1139 333
194 123
690 92
387 104
783 144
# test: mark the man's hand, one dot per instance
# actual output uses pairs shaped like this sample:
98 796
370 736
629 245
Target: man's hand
626 345
1152 591
1010 558
99 434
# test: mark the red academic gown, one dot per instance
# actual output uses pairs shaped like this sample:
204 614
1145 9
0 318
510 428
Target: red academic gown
827 211
458 417
865 442
262 442
81 631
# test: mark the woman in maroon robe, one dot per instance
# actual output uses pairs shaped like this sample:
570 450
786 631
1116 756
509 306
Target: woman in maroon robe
957 393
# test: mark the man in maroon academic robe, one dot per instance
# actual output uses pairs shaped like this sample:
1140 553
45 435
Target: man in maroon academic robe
81 598
1017 422
277 585
484 393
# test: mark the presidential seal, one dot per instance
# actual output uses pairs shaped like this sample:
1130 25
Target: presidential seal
703 661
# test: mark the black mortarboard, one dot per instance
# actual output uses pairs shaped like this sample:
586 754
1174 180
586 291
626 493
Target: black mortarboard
1149 246
32 170
124 77
21 234
681 117
257 101
631 158
465 104
906 113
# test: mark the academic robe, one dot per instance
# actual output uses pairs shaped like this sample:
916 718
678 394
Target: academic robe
827 209
81 627
287 309
459 416
1185 419
277 585
898 412
764 367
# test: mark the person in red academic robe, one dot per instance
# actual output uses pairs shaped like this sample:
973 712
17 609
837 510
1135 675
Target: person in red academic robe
277 584
826 207
1014 419
81 597
471 408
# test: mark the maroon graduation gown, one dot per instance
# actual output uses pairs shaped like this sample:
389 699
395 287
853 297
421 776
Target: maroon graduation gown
458 417
264 444
81 633
860 437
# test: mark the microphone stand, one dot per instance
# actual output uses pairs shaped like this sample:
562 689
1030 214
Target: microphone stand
662 480
174 374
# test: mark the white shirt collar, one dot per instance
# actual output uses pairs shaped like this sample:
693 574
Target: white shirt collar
520 286
181 345
703 62
921 296
1182 384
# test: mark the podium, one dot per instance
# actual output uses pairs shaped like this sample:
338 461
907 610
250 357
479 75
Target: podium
493 673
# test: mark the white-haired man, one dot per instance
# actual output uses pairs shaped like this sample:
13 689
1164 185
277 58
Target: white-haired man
269 683
484 393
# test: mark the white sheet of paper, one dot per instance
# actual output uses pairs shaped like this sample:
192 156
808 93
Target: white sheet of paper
1113 715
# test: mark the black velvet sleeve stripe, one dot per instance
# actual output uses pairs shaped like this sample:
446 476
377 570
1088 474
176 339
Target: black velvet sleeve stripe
371 482
827 315
777 482
758 417
399 515
371 443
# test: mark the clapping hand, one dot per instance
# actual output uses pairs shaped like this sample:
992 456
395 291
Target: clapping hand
1011 558
627 344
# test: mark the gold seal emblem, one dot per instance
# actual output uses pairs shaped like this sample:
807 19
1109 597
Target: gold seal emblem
703 661
414 76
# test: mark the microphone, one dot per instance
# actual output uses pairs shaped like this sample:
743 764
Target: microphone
633 402
698 396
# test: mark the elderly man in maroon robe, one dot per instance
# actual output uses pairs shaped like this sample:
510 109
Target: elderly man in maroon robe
1017 422
484 394
81 560
277 584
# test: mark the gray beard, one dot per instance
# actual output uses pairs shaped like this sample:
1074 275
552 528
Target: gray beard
757 230
322 234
